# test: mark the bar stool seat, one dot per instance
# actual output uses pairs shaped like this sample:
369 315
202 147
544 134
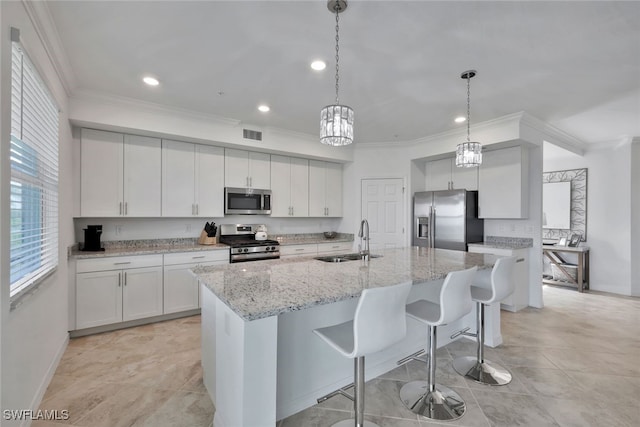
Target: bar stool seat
487 289
426 398
379 322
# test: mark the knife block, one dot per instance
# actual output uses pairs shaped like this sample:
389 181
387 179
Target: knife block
206 240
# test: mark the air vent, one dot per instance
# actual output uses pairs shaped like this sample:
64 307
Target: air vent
252 134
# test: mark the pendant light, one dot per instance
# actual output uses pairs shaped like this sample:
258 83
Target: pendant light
468 154
336 121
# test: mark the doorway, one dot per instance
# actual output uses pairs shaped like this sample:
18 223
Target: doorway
383 205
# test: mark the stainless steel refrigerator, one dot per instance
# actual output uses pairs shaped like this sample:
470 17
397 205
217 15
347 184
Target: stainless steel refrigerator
446 219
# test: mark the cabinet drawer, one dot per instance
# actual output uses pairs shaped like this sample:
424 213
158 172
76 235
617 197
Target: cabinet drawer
196 257
309 249
118 263
334 247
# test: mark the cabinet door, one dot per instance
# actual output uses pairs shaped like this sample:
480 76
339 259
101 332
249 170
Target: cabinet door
259 170
333 189
180 288
142 293
299 183
142 176
236 168
281 186
98 298
101 185
178 179
464 178
209 185
317 184
503 184
438 174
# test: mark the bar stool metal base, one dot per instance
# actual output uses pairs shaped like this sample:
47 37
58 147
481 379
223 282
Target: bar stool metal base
352 422
442 404
482 372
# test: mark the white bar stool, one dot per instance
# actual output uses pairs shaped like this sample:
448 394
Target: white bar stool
487 289
425 398
379 322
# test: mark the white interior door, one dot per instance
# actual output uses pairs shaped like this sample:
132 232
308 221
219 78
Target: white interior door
383 206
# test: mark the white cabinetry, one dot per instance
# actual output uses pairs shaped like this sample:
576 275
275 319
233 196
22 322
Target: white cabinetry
192 180
334 247
117 289
520 297
503 179
246 169
325 189
443 174
289 186
295 250
181 291
120 175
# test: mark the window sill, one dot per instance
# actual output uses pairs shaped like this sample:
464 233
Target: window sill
18 298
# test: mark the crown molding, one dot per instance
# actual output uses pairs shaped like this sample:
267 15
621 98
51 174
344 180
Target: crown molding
45 28
553 135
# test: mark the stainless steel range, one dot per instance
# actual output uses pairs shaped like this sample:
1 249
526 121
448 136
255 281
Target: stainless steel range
245 246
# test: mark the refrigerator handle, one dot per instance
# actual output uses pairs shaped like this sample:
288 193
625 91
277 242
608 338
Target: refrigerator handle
432 229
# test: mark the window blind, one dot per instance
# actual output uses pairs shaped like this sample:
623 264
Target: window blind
34 175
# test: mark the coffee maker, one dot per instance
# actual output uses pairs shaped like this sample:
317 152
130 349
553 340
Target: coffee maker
92 238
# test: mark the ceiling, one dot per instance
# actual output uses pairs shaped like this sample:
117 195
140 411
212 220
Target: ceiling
575 65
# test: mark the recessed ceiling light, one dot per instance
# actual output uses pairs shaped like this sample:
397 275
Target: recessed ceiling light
460 119
151 81
318 65
264 108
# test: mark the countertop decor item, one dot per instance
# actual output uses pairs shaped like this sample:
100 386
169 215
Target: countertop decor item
330 234
336 121
208 236
468 154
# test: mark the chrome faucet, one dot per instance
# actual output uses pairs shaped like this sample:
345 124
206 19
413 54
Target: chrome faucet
363 234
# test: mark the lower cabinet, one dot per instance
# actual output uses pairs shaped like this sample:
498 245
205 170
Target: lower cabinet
314 248
118 289
334 247
181 288
519 299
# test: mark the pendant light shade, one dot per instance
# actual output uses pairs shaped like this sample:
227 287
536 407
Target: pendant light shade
468 154
336 121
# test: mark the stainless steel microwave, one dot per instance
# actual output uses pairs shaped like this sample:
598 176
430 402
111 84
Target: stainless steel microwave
247 201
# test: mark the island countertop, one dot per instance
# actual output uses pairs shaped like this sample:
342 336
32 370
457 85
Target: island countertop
255 290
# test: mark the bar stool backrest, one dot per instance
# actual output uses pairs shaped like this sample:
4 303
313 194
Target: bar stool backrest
380 318
502 283
455 296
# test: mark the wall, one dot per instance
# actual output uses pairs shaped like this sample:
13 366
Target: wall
635 216
34 335
609 220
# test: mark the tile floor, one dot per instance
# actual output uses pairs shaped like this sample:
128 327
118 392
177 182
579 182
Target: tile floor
575 363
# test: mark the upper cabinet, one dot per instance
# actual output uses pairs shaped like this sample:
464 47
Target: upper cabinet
443 174
503 184
289 186
325 189
246 169
192 180
120 175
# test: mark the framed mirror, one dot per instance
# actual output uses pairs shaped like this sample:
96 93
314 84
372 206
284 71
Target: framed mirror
556 205
577 180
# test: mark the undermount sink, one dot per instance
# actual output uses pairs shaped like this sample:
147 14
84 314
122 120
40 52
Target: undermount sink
343 257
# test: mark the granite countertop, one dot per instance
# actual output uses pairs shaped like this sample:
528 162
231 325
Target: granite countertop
267 288
498 242
146 247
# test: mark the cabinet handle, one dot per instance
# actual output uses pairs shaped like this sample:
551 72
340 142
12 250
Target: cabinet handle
520 260
335 247
125 207
125 278
197 209
250 181
299 250
122 263
198 257
192 209
119 279
120 209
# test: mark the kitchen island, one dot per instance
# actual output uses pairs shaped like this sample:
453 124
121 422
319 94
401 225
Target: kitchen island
262 363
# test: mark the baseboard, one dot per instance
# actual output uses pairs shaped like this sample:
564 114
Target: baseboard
42 389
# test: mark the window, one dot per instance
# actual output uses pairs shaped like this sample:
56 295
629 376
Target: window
34 174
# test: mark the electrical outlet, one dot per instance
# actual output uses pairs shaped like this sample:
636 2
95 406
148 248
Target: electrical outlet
187 228
501 229
118 230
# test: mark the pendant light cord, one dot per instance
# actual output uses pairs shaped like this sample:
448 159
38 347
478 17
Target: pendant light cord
337 51
468 107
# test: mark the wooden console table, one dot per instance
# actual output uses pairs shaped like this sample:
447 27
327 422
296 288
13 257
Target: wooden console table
552 252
